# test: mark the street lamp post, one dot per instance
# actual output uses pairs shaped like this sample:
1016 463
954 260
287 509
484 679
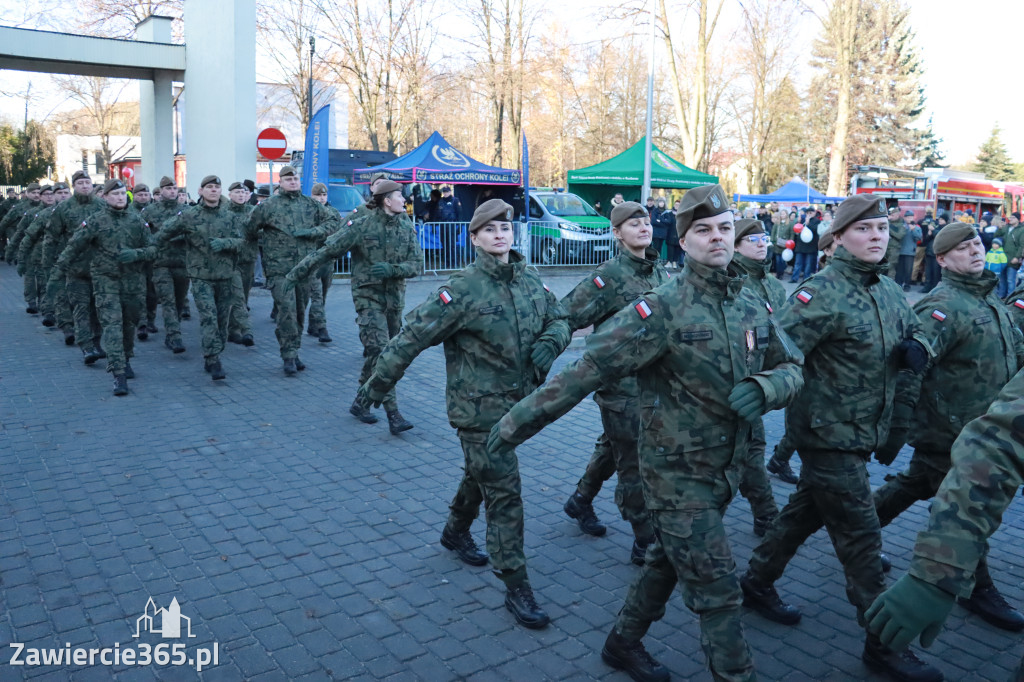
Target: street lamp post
309 101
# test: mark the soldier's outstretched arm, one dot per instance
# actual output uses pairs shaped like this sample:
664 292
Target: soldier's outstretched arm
588 301
783 374
410 260
31 238
336 246
51 234
79 241
807 317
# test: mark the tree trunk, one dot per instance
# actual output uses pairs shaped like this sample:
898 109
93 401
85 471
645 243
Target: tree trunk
845 36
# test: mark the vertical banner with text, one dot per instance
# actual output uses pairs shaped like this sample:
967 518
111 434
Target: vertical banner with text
315 159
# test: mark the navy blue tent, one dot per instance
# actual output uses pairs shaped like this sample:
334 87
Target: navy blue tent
437 161
793 192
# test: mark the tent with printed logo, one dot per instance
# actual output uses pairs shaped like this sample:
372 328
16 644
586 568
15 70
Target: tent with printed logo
796 191
624 174
436 161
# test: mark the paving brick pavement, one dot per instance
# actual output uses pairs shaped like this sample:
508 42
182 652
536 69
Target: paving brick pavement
305 544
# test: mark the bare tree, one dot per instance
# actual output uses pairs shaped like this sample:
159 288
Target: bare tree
117 18
100 111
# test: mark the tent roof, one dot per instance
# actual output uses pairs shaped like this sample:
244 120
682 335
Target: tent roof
627 168
793 192
437 161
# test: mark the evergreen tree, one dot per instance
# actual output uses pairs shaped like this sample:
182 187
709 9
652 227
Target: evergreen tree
993 159
929 154
25 154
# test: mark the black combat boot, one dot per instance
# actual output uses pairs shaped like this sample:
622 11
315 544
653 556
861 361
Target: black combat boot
49 320
289 367
142 333
899 665
582 509
323 336
993 609
397 423
129 373
99 349
32 310
763 523
781 469
312 332
151 327
90 356
639 551
174 344
633 659
766 601
463 545
69 338
248 341
120 384
522 604
213 366
235 337
185 314
361 411
886 562
299 364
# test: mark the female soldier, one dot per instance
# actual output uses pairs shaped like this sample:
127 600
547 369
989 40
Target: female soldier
501 331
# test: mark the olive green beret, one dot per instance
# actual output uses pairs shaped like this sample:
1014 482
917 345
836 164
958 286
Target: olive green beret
825 241
59 186
80 175
951 235
747 226
318 188
858 207
286 171
235 185
378 176
166 182
141 187
209 180
627 210
46 189
386 187
492 209
32 187
700 202
112 184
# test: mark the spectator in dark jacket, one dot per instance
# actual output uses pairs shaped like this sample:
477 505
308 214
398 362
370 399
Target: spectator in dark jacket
932 271
805 253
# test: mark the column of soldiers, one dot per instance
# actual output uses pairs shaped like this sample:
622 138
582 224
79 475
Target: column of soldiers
683 369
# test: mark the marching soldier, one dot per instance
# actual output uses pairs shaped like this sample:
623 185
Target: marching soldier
321 281
709 360
170 280
30 252
34 293
141 198
245 258
14 217
501 330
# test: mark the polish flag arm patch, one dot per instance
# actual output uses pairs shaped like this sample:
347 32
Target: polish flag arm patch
1019 303
804 296
445 297
598 282
546 288
643 309
769 307
939 315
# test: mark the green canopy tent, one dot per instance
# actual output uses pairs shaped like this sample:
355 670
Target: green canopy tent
625 174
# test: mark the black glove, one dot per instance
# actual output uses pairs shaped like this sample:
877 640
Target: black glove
912 355
893 444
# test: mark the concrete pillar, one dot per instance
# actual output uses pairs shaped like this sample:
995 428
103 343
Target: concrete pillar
155 109
220 90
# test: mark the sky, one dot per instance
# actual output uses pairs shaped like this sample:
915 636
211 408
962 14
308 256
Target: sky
968 51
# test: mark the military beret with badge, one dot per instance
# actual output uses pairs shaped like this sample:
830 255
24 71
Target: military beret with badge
698 203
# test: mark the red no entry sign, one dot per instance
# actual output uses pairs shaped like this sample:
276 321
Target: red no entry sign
271 143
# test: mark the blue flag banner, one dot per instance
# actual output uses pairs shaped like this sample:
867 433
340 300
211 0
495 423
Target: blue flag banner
526 177
318 142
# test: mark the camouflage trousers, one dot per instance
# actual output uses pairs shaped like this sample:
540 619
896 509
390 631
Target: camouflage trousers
754 483
692 551
245 274
785 449
171 285
151 298
376 328
34 287
120 304
83 311
318 286
920 481
494 482
216 301
834 492
290 303
616 452
56 301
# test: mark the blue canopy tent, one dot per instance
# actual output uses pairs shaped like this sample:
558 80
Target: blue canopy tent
793 192
436 161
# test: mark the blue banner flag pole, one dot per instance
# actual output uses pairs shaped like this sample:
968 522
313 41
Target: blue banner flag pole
318 141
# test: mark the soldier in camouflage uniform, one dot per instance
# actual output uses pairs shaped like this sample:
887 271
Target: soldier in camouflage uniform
320 282
245 259
9 223
17 231
141 198
976 349
501 331
34 291
857 332
289 223
385 253
897 229
8 203
604 292
170 280
709 360
987 470
213 235
73 305
751 258
30 251
119 244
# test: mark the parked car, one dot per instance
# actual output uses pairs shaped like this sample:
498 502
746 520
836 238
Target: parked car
564 229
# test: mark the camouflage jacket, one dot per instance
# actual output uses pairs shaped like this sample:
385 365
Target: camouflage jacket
372 237
1013 241
277 219
10 222
847 320
200 224
16 235
1015 301
103 236
64 222
30 250
689 342
158 215
5 206
249 249
987 471
976 352
489 317
760 282
897 229
607 290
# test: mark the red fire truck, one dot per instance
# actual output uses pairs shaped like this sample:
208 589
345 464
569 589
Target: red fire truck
939 189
